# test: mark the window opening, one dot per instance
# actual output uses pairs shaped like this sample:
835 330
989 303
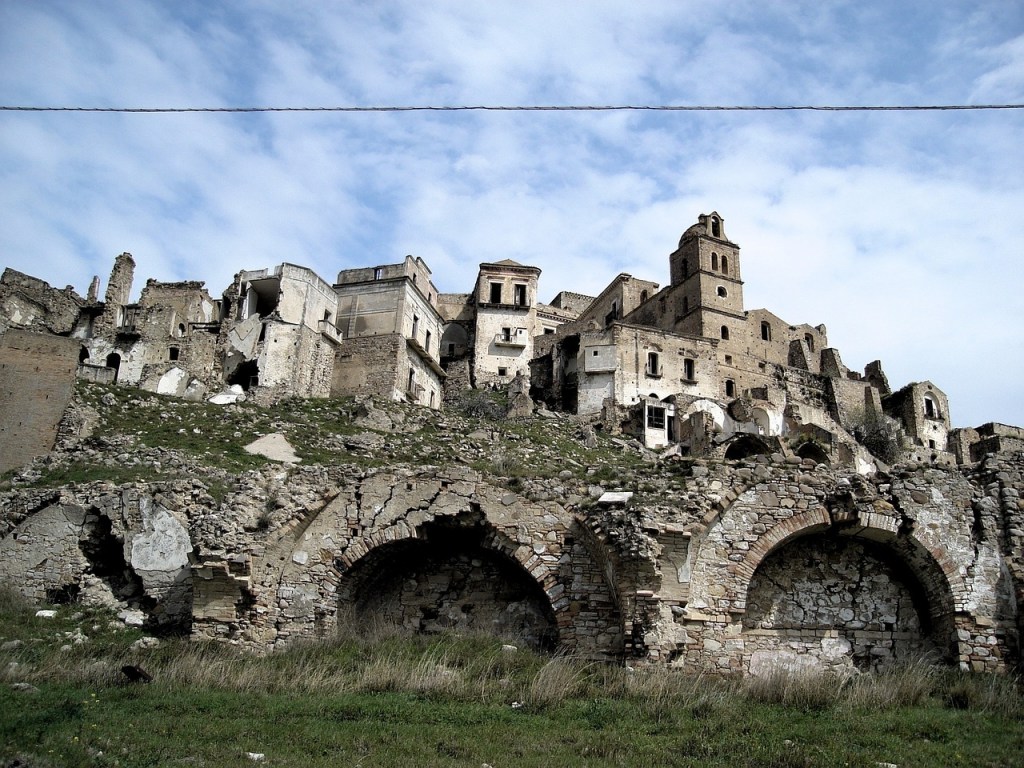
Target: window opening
502 371
810 341
643 296
714 261
426 341
725 264
172 353
929 408
519 295
722 292
725 332
730 388
653 364
412 379
495 293
728 359
716 229
689 368
415 326
506 334
766 331
655 417
378 273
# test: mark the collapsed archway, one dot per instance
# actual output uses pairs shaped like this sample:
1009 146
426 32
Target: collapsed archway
814 452
744 446
842 600
448 579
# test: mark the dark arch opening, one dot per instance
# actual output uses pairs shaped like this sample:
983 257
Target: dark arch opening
83 355
448 580
814 452
745 446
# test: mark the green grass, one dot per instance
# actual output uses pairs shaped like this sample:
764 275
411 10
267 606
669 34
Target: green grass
374 697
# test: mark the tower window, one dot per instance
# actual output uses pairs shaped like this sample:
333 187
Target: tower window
415 326
172 353
766 331
730 388
722 292
725 332
495 293
725 264
426 341
643 296
689 368
810 341
714 261
716 229
519 298
378 272
930 409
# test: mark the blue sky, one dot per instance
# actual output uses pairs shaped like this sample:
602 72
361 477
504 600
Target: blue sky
901 232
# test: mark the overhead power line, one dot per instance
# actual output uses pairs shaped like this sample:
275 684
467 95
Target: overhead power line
539 108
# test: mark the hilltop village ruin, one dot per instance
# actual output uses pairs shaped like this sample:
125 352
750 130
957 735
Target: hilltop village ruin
686 365
823 518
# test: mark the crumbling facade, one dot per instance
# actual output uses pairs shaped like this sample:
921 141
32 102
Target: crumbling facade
801 514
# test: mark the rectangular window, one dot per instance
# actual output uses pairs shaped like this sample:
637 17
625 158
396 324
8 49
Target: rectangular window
519 295
377 273
503 371
655 417
506 334
415 326
689 368
495 293
653 364
426 342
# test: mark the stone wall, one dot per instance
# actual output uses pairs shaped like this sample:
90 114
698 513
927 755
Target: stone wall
715 567
37 375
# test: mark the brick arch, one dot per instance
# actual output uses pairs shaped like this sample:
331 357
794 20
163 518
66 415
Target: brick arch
943 586
361 553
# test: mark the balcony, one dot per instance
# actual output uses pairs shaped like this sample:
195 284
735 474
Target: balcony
511 339
328 329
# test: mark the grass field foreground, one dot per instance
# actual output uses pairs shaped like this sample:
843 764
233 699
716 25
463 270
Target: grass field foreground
378 698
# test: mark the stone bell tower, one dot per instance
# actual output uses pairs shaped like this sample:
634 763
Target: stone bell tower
705 270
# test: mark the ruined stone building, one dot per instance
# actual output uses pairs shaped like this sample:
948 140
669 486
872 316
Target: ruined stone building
781 508
686 365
